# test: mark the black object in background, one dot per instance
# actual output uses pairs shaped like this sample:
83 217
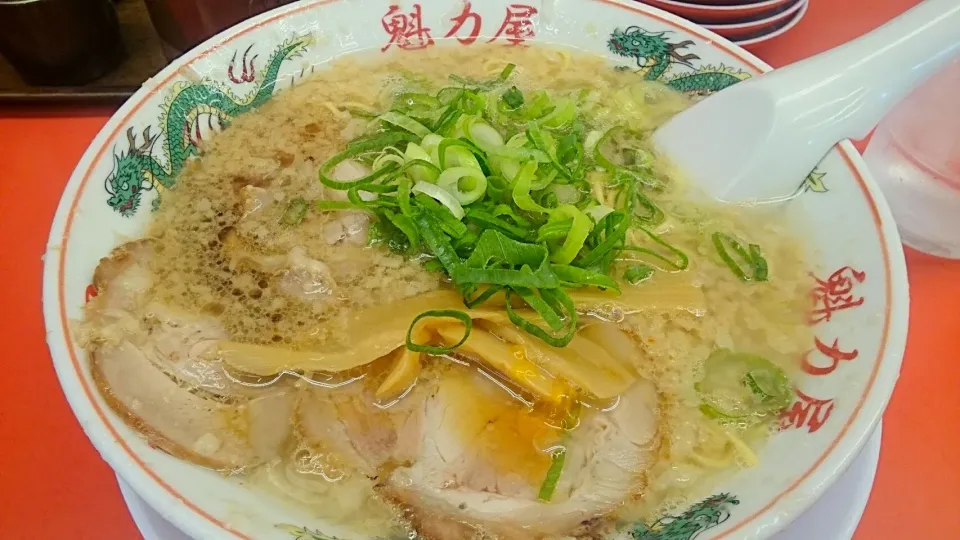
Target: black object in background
60 42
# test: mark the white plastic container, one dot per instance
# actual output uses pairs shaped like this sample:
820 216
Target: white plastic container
915 157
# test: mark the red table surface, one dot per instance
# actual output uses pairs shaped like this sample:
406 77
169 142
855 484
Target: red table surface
54 485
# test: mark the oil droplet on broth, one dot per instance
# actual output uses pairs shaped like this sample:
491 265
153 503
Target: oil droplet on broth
511 436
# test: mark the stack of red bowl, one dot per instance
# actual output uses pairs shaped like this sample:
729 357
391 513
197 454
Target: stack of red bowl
745 22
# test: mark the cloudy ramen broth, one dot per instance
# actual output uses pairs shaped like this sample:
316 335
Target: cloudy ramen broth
258 333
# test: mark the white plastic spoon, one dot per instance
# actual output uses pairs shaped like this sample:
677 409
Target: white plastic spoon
756 141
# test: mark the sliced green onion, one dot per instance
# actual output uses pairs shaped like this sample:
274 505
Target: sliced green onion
651 214
548 199
581 277
598 212
404 189
512 97
387 169
550 482
540 304
579 230
569 154
521 189
466 242
566 194
387 157
424 170
371 188
405 122
447 222
590 142
507 70
357 148
363 198
615 237
382 231
472 302
295 212
557 229
739 385
495 247
430 144
448 120
619 149
461 316
505 210
406 226
508 158
472 102
438 242
482 134
449 95
507 277
458 153
498 189
440 195
466 184
520 154
543 180
772 386
537 107
416 100
367 112
752 258
553 296
637 274
544 142
504 226
500 260
562 116
680 261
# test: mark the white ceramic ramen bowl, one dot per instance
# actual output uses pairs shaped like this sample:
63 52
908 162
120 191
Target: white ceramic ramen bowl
858 285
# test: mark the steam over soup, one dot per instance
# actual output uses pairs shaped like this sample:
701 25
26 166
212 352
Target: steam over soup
456 293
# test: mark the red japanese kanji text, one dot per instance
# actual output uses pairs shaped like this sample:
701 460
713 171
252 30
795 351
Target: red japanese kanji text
467 15
806 412
835 293
406 29
517 26
832 352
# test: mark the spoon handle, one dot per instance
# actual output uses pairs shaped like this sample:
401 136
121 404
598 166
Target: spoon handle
844 92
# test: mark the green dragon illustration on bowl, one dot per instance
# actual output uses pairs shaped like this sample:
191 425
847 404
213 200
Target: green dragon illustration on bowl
655 55
700 517
138 171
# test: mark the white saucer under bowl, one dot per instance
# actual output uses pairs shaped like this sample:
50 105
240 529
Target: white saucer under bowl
834 516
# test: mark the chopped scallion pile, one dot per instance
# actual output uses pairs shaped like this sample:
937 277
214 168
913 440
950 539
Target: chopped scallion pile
498 189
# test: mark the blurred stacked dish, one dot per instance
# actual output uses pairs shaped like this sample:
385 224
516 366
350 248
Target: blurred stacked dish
745 22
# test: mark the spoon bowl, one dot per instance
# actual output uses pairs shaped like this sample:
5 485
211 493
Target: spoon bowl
755 141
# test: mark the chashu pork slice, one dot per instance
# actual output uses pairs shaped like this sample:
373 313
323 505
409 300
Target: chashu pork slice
149 362
366 438
469 481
